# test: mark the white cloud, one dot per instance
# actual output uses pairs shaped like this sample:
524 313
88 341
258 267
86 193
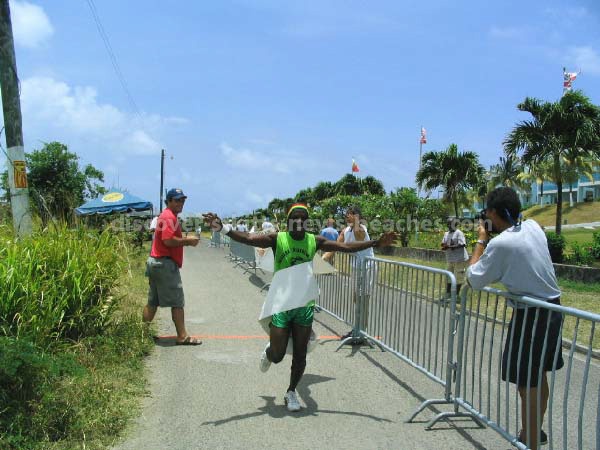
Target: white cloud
31 25
506 32
259 200
141 144
51 108
585 59
245 158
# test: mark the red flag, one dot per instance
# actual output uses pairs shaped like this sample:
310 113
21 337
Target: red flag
423 136
355 166
568 78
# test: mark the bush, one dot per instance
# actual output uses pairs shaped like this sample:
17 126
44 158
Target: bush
556 246
596 245
28 377
59 284
580 255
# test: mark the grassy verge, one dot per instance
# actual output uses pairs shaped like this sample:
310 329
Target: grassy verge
72 390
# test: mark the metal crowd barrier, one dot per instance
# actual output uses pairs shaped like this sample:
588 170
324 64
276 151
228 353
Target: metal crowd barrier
215 240
243 256
401 307
572 421
404 309
336 297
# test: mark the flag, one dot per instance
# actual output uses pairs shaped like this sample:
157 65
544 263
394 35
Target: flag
423 136
354 166
568 78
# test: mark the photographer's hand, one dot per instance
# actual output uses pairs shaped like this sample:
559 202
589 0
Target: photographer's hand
483 235
482 232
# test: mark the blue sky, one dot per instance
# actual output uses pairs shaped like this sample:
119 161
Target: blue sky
258 99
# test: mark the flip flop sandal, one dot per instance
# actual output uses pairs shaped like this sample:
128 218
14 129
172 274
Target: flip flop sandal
189 341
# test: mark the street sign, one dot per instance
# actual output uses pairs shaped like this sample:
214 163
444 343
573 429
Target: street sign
20 174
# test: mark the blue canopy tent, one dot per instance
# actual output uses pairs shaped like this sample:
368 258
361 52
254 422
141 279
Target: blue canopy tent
113 202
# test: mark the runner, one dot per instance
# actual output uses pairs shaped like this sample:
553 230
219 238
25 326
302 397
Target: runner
293 247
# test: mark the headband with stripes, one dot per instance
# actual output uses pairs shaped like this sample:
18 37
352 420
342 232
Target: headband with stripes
297 206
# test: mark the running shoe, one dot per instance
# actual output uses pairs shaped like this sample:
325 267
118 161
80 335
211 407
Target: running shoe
264 360
291 400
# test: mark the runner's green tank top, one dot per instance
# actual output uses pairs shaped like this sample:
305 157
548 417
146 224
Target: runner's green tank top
290 252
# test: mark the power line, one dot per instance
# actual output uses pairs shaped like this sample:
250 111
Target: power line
113 58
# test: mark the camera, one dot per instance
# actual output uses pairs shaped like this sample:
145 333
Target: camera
481 215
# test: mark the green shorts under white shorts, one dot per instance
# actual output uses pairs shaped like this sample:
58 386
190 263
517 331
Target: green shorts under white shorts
301 316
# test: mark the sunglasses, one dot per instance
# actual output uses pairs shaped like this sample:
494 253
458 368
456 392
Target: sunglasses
179 200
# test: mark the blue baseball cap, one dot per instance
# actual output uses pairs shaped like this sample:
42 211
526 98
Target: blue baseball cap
176 194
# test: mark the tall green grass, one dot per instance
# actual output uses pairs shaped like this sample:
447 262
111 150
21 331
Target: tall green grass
59 284
72 341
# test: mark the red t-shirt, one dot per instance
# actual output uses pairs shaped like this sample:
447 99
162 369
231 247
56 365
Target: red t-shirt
167 226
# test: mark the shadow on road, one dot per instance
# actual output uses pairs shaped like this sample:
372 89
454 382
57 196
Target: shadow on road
278 411
452 424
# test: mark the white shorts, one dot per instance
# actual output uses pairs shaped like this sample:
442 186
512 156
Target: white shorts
459 270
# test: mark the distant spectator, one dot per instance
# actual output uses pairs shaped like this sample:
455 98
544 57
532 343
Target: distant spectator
241 226
267 226
329 232
454 244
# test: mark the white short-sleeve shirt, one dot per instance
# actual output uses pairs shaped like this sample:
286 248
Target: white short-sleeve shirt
518 258
455 237
349 237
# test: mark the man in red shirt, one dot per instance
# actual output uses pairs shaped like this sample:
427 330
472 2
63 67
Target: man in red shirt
162 267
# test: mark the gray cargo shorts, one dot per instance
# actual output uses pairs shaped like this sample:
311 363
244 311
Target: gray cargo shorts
164 278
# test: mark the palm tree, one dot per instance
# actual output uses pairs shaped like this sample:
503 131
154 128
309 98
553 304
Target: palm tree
304 196
507 174
574 169
453 170
372 185
536 173
348 185
568 128
323 190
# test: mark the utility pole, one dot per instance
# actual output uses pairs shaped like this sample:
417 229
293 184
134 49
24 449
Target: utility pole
13 127
162 176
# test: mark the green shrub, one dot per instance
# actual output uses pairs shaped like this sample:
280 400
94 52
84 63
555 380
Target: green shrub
580 255
556 246
59 284
595 250
28 377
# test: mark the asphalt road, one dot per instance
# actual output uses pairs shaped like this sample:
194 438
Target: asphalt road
214 396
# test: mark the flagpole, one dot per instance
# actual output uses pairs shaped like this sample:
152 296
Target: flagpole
420 157
418 187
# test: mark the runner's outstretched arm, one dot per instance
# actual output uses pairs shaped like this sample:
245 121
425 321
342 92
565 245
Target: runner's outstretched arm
255 240
351 247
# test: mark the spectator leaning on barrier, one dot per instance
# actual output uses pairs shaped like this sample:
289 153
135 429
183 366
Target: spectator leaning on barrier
454 245
357 232
162 267
519 258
